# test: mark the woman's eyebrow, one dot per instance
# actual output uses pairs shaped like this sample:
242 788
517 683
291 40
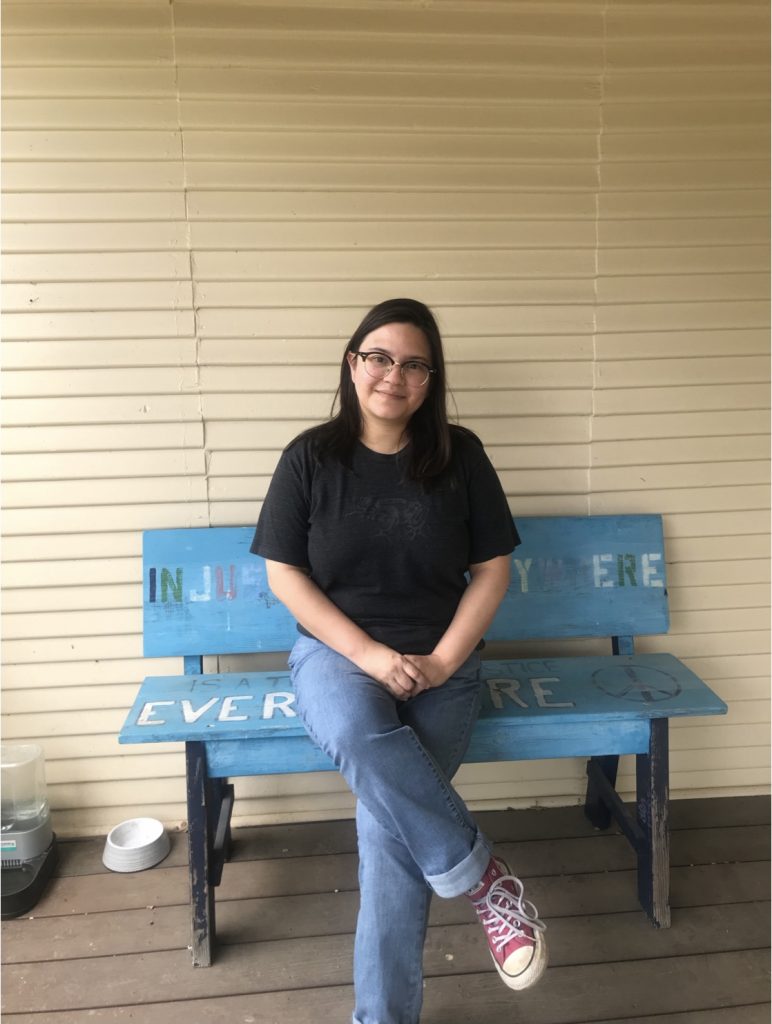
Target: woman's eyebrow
407 359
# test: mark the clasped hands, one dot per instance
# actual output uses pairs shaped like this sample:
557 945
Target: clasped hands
405 675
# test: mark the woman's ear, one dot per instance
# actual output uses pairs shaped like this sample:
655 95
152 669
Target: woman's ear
352 362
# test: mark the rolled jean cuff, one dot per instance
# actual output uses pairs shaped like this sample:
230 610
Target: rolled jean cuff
465 875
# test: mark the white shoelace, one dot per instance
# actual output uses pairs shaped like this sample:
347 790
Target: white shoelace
504 915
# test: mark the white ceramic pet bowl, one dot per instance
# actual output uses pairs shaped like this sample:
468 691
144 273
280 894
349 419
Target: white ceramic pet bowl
136 844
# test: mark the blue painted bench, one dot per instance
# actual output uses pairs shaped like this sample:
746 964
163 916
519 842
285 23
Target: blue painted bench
602 576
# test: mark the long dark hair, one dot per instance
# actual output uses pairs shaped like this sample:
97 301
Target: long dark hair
429 452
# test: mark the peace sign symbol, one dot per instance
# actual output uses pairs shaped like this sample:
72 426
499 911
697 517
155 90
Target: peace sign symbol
638 683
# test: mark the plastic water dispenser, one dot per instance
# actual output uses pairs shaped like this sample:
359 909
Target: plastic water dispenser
26 837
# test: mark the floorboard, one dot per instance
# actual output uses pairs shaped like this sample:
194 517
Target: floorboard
103 947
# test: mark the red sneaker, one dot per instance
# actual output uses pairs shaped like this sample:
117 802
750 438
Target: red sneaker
512 926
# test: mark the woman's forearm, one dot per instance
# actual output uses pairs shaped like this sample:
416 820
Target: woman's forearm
314 610
475 612
405 674
324 620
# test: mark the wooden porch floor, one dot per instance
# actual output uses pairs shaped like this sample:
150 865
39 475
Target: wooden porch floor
103 947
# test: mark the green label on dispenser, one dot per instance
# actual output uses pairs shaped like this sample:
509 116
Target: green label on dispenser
7 844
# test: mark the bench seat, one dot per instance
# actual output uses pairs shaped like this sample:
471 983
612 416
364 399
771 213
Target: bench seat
557 707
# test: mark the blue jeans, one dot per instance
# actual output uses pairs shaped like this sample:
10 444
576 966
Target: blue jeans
415 833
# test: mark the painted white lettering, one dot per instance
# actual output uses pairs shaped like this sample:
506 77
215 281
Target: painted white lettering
651 577
229 706
251 573
206 593
147 712
600 572
279 700
541 693
522 572
496 687
191 714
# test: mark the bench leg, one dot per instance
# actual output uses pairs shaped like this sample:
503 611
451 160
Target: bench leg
596 807
200 845
653 820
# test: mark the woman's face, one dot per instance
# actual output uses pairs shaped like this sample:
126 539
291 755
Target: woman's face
390 401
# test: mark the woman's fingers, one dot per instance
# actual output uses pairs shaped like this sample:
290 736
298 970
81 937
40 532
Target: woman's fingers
432 671
414 672
390 670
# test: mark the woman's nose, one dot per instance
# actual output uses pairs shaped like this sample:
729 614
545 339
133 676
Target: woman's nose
398 368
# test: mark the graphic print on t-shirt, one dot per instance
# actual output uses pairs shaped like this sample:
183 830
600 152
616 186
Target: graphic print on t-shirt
391 514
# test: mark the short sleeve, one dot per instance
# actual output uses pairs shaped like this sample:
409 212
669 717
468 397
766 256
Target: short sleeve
282 527
491 529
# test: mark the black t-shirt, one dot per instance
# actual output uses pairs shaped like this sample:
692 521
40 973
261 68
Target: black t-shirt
390 554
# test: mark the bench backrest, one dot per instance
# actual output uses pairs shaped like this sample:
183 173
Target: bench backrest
204 593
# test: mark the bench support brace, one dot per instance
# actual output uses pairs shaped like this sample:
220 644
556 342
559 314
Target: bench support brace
601 793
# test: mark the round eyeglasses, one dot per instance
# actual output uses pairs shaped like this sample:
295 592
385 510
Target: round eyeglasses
414 372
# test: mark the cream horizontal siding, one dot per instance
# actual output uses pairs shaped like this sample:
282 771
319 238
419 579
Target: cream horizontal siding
200 201
681 393
102 426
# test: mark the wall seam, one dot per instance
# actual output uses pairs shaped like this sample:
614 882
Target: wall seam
596 269
191 267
